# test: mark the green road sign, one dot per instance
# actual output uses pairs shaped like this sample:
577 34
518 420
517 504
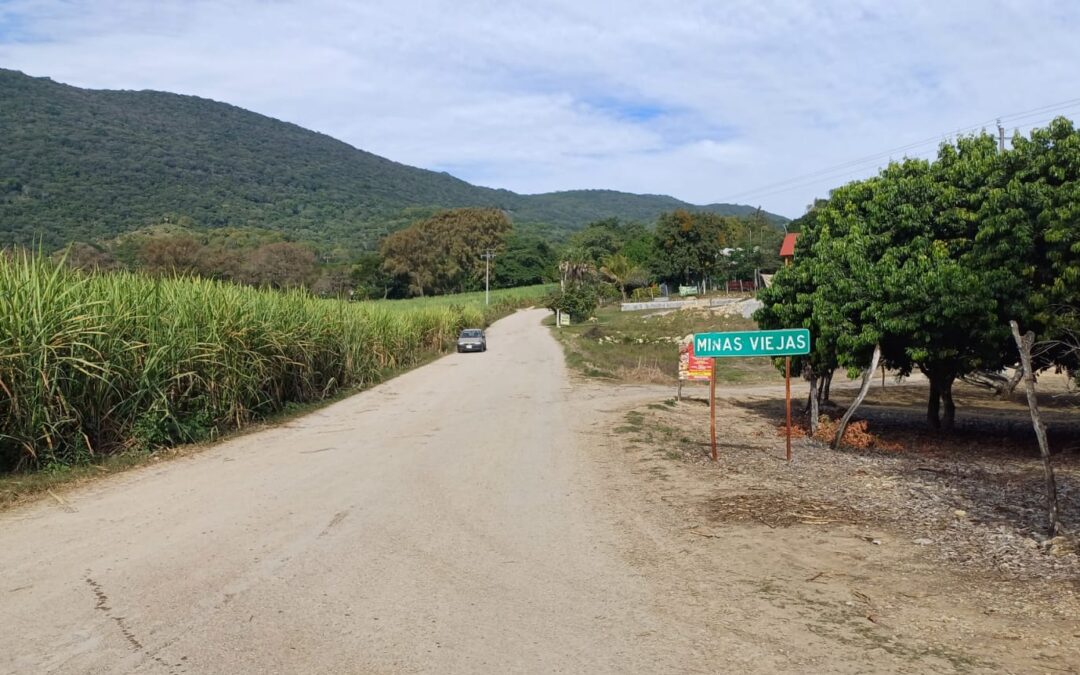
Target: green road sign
786 342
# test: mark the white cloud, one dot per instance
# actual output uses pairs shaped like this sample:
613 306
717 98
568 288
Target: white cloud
702 100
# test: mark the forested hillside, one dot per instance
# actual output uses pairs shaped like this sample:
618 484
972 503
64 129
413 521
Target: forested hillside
87 165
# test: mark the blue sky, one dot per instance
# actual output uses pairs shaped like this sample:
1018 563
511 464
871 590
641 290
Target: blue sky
707 101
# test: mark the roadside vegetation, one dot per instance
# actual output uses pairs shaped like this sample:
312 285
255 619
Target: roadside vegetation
923 267
644 347
501 300
98 364
959 269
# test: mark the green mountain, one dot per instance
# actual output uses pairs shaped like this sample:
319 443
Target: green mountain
84 165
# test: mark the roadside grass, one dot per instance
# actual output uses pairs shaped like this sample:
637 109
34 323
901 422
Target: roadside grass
21 487
644 347
517 297
98 371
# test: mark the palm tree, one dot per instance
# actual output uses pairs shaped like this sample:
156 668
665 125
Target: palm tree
622 271
576 266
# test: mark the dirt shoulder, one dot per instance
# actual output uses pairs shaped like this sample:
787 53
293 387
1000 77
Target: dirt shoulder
849 561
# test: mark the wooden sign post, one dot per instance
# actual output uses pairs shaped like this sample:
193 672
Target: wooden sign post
712 408
787 401
774 343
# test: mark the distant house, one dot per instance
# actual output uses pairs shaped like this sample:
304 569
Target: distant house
787 249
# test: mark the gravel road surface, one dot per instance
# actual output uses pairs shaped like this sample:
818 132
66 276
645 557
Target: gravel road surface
442 522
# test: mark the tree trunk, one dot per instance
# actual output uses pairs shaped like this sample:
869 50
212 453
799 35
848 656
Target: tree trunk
1010 387
933 406
948 419
808 374
827 387
1024 344
813 403
867 376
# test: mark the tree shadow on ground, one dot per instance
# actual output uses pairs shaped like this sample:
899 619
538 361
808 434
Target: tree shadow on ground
989 467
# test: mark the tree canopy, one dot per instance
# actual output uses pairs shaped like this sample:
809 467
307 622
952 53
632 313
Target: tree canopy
442 254
689 246
930 260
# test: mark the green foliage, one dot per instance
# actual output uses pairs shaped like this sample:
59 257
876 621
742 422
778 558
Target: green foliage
598 239
577 299
623 272
525 260
443 253
931 260
371 282
645 293
639 248
744 263
93 363
1040 202
577 267
688 246
789 303
85 165
603 238
502 300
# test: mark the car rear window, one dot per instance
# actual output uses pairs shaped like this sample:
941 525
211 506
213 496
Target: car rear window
470 333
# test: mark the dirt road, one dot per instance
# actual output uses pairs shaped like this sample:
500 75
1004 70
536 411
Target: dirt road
442 522
474 515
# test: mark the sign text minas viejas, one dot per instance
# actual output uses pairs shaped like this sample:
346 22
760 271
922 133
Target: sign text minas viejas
758 343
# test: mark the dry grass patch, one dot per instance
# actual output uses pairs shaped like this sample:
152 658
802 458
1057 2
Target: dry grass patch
778 509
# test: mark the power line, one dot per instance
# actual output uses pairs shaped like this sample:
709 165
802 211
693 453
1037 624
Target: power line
847 167
851 173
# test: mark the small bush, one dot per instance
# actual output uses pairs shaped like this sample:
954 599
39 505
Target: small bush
578 300
645 293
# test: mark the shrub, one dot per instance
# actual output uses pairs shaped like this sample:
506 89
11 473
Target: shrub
579 300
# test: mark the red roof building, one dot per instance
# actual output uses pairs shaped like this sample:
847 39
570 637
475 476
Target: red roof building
787 249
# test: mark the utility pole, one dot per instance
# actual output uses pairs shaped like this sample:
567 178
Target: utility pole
1001 137
487 256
